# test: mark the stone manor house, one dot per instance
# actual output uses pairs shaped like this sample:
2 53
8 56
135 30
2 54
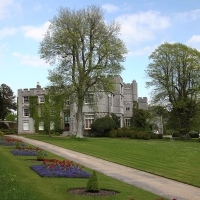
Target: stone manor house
119 102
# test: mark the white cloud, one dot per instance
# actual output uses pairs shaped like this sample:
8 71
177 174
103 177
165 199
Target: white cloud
37 33
190 15
194 42
7 31
142 26
9 8
110 8
142 51
33 61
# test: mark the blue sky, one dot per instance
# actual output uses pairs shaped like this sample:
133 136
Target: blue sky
145 24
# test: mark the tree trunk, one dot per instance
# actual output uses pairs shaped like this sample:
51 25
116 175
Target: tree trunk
79 133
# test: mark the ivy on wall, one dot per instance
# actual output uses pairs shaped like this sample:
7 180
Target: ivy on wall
48 113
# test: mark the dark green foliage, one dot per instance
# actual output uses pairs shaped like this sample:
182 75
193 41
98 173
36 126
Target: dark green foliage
7 101
174 75
194 135
176 134
18 145
3 125
120 132
102 125
9 131
160 136
40 155
139 116
133 134
153 136
1 134
113 133
116 119
145 135
92 184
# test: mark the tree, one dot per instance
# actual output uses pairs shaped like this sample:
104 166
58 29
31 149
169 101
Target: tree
174 75
139 116
7 101
88 53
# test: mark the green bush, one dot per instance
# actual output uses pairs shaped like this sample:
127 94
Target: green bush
160 136
139 135
120 132
133 134
194 135
92 184
145 135
9 131
127 133
153 136
18 145
102 125
1 134
40 155
113 133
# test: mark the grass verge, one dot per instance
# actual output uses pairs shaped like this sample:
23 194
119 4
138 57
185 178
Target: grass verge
42 188
178 160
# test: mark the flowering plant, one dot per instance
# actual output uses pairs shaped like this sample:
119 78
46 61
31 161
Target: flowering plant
11 142
56 168
27 151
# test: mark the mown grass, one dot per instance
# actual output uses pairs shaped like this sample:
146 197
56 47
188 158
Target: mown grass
41 188
178 160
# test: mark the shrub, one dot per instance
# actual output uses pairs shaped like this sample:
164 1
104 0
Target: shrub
160 136
1 134
40 155
194 135
127 133
113 133
92 184
120 132
132 134
153 136
139 135
102 125
18 145
176 134
145 135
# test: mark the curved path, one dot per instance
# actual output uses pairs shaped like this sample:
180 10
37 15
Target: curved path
158 185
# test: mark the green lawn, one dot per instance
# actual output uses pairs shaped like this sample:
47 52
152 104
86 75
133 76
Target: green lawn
27 185
177 160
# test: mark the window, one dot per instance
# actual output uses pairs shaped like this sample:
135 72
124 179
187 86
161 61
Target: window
25 125
89 119
127 108
41 99
128 122
25 99
41 126
89 98
25 112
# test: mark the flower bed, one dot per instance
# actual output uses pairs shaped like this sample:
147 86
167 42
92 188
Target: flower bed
27 151
11 142
56 168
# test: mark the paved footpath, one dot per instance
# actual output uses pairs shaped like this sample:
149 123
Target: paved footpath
158 185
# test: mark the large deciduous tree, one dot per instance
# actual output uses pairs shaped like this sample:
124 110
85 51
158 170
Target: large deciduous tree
174 73
87 51
7 101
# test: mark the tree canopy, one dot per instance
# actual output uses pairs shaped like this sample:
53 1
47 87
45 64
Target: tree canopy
7 101
174 73
87 52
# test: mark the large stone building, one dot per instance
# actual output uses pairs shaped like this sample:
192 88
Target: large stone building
119 102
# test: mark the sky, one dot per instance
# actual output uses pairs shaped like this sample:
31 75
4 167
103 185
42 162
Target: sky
145 24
